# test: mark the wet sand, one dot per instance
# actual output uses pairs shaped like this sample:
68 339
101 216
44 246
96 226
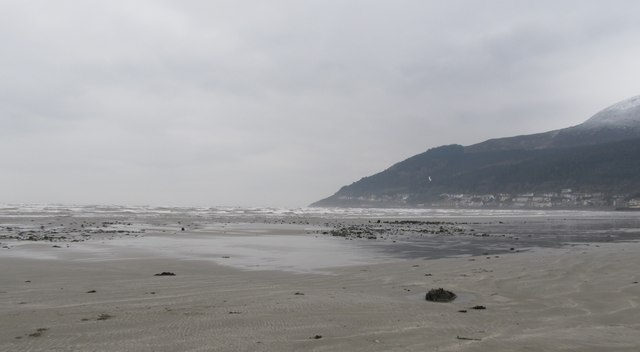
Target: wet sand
583 297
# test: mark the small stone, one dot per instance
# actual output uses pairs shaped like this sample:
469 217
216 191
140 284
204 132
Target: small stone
38 332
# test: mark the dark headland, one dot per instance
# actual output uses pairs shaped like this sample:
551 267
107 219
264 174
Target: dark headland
591 165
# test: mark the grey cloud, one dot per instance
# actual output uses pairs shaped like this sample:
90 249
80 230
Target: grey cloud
282 102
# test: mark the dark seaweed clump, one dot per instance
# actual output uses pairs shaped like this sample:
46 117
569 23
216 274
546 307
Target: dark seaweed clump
440 295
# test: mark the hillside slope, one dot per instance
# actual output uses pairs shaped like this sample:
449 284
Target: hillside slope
600 155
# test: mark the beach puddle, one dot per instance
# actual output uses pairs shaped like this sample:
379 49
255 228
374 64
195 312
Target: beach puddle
264 250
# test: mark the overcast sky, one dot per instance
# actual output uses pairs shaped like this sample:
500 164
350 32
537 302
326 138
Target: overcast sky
280 103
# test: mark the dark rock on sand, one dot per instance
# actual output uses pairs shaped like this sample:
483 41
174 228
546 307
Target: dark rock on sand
478 307
440 295
38 332
165 273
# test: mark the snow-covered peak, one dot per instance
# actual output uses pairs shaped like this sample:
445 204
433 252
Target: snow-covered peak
623 114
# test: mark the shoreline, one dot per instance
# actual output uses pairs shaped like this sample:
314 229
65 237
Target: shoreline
102 294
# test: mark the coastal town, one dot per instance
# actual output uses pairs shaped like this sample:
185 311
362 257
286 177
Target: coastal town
564 199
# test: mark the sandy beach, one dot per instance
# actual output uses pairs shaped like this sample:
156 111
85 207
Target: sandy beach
103 295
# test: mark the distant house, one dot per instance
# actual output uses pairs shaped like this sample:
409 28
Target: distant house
634 203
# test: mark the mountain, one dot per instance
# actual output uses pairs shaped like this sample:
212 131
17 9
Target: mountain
618 122
601 155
